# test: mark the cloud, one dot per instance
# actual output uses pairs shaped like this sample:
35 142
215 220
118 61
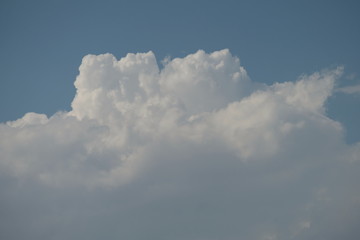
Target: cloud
350 89
195 150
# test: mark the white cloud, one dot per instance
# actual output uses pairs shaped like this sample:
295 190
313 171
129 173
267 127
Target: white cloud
195 150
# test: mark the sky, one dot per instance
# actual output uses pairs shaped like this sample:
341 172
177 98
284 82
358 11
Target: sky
184 120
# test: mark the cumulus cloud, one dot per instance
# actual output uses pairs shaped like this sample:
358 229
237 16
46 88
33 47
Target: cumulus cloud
194 150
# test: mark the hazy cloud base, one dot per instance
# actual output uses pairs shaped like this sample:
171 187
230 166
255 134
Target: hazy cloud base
192 151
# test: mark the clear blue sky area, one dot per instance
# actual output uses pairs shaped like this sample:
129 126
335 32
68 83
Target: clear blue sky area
42 43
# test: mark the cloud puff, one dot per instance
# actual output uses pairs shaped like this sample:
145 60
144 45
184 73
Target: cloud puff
194 150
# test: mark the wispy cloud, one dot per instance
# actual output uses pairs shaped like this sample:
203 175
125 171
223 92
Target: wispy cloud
350 89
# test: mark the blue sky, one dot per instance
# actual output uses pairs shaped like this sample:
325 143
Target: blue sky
43 42
180 140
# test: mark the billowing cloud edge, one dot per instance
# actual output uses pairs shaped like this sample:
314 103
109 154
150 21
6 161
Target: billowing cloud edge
122 107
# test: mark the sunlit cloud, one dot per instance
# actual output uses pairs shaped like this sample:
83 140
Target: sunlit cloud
192 150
